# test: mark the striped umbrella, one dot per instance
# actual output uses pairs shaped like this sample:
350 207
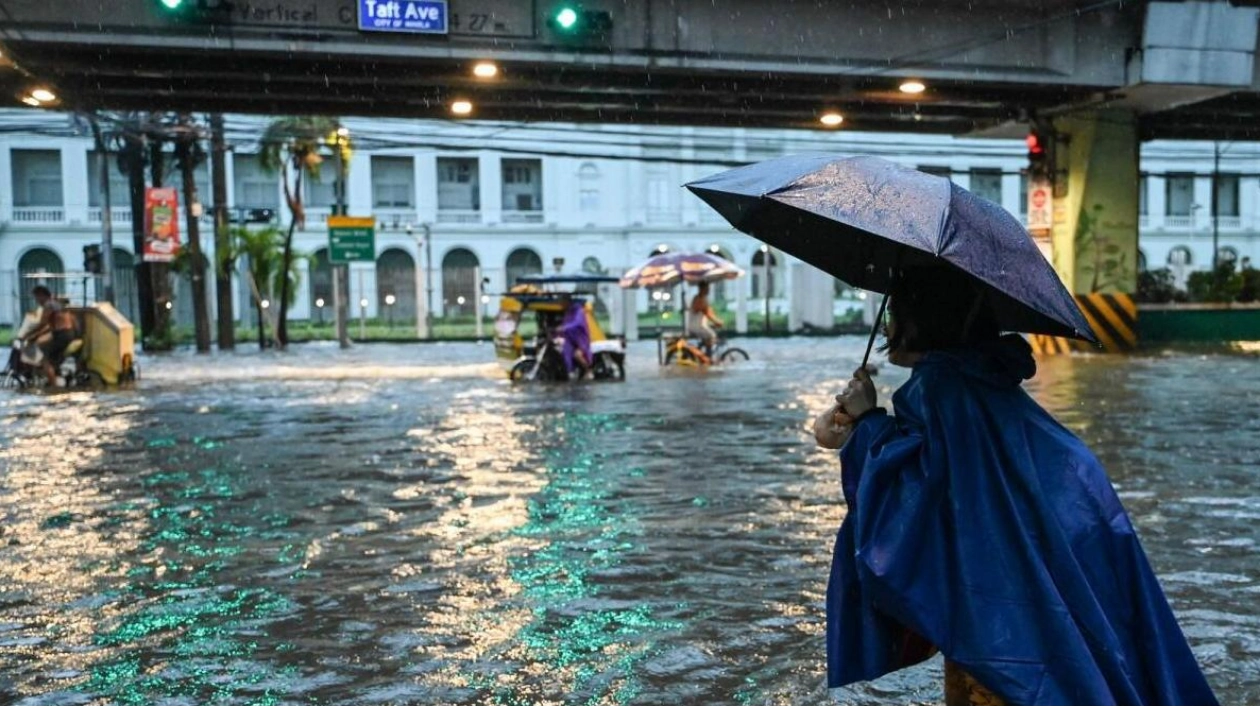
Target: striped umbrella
668 269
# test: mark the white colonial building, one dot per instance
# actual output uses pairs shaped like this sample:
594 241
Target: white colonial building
455 202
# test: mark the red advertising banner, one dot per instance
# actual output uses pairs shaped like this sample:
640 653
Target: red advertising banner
161 224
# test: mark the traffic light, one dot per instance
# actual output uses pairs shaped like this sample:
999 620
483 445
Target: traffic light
196 10
1039 161
572 23
92 259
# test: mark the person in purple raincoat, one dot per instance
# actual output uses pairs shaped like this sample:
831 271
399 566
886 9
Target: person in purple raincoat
577 339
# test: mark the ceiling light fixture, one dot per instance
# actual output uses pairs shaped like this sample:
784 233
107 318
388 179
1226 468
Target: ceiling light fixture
831 119
913 87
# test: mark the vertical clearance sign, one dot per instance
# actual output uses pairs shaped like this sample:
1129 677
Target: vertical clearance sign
407 16
161 224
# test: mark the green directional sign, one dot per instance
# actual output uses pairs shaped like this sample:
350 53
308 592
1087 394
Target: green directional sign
351 238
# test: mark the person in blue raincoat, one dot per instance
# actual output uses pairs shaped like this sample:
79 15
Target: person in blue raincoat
979 526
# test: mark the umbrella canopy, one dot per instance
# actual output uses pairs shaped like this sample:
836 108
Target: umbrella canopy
668 269
864 219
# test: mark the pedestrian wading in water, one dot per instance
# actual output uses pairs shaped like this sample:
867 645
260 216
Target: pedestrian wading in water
980 527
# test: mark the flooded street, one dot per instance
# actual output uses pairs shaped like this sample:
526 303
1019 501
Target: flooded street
399 524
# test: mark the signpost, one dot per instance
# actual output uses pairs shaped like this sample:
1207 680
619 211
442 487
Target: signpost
1039 206
161 224
351 239
405 16
1041 215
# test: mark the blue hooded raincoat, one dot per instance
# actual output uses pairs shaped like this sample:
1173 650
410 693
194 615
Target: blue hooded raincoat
980 525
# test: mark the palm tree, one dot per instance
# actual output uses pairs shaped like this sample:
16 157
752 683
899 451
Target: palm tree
264 249
291 146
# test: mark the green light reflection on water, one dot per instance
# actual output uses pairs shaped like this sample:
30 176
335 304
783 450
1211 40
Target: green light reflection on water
191 635
595 650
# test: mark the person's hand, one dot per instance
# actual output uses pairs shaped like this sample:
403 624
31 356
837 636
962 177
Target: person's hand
859 395
832 428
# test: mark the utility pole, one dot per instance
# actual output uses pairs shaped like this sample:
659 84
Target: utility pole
341 271
107 216
428 280
131 159
189 153
1216 198
159 272
767 255
222 243
422 301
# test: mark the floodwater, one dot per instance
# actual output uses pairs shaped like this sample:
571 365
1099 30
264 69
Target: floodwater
398 524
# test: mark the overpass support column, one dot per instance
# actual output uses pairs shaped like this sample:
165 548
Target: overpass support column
1094 238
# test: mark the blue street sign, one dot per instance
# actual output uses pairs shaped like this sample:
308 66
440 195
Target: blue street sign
406 16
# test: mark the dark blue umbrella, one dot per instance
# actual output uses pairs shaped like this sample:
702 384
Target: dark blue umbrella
864 219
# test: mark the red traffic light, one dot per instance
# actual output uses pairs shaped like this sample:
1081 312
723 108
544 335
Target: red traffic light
1034 144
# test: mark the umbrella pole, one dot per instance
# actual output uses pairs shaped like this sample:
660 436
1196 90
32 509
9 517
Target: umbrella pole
870 343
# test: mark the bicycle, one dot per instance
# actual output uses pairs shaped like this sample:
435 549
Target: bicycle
680 350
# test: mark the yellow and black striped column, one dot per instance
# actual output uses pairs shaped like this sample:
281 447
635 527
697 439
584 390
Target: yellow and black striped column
1113 318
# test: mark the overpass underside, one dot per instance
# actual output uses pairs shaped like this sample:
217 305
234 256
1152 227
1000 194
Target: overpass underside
989 66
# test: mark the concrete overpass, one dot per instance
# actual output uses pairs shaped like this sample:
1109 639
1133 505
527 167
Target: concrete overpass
1094 76
1185 68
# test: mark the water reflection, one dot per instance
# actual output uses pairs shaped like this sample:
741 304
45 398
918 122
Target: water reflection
383 526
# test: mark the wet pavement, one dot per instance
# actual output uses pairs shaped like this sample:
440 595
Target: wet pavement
398 524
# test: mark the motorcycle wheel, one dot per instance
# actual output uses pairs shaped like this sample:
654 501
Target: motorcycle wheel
523 370
607 367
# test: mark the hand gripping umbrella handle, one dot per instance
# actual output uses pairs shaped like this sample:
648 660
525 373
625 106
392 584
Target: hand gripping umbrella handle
870 343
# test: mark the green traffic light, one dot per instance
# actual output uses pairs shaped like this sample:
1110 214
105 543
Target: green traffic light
171 4
565 19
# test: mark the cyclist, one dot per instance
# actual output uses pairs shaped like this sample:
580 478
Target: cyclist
699 316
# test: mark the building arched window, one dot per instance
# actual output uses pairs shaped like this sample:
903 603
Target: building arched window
125 298
396 285
720 292
459 282
321 284
39 266
766 282
1180 255
521 262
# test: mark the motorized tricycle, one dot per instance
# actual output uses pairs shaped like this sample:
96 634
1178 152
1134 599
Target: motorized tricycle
102 354
556 313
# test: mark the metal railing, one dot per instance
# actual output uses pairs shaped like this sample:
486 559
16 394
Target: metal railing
522 216
458 216
116 214
39 214
395 217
